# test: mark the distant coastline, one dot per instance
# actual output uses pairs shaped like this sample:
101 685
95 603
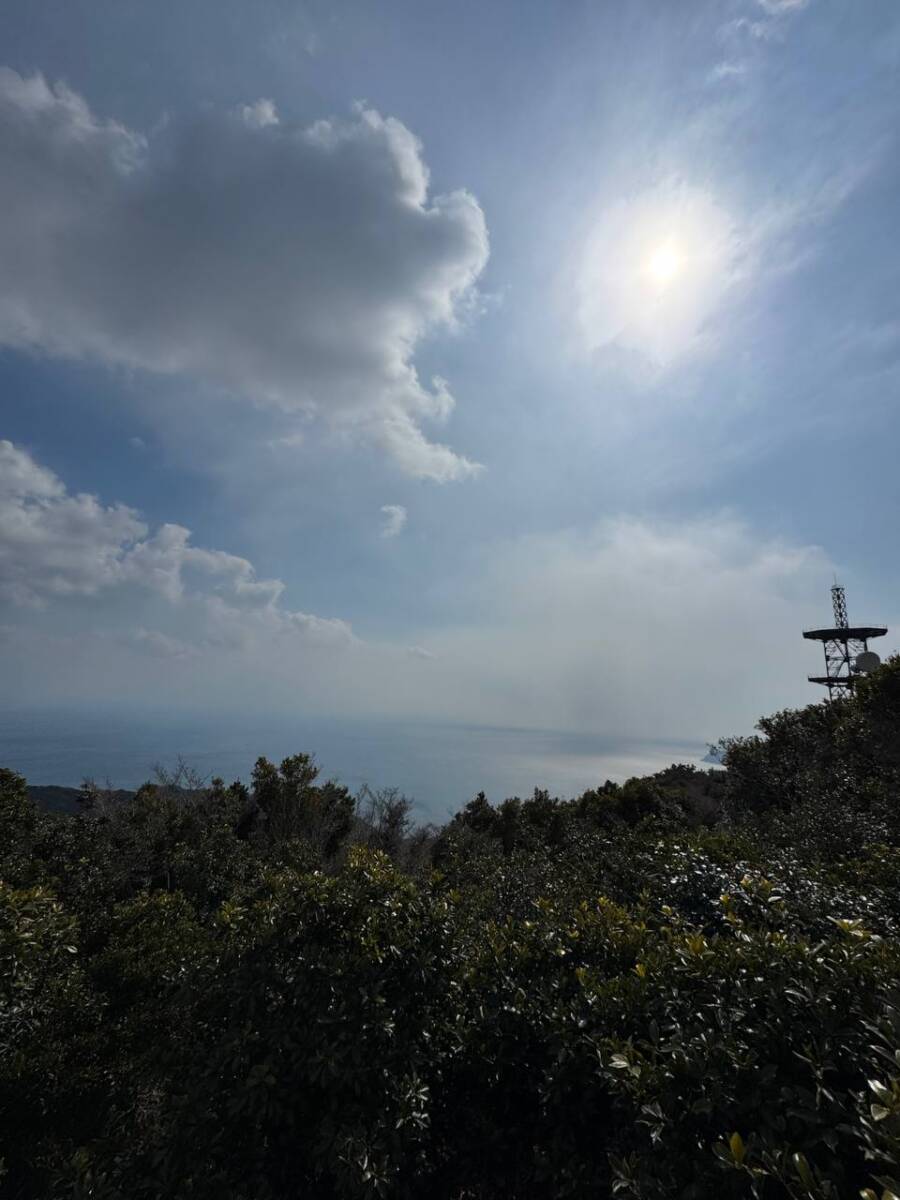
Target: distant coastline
441 766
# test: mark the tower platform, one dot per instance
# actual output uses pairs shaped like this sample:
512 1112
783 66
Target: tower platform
844 633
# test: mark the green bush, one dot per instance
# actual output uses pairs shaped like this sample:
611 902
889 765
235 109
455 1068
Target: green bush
682 986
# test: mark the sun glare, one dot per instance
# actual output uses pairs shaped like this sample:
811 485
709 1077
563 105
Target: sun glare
652 270
664 264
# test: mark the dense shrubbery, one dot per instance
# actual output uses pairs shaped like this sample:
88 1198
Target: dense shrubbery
684 986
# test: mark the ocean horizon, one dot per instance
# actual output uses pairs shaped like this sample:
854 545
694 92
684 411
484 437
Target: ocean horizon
438 765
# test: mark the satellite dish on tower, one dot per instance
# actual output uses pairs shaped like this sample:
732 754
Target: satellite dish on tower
866 662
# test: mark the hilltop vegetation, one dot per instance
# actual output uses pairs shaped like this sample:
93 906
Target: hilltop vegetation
684 986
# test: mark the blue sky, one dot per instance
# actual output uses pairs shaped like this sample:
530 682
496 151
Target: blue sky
523 364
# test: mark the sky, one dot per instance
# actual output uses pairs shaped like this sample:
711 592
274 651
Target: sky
524 365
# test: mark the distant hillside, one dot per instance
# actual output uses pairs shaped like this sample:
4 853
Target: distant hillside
51 798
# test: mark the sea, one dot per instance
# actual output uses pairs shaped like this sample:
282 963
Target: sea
439 766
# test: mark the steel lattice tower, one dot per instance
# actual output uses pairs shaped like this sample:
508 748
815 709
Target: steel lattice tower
846 646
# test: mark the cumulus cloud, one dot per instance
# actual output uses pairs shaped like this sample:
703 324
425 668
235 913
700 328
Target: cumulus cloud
394 520
54 544
298 266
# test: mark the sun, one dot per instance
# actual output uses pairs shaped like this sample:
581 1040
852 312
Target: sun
665 264
652 270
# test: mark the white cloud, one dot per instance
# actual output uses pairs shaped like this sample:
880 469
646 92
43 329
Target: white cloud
419 652
394 520
782 7
160 645
771 23
21 476
298 266
727 70
54 544
260 114
166 562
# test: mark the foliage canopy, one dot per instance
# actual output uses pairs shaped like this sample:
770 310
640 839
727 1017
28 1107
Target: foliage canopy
683 986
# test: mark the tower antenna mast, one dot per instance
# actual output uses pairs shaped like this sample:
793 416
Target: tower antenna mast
846 647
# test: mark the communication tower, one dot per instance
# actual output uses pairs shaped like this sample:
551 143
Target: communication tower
846 646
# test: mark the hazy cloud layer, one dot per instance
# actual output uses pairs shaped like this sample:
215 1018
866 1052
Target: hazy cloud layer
634 628
638 627
297 266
